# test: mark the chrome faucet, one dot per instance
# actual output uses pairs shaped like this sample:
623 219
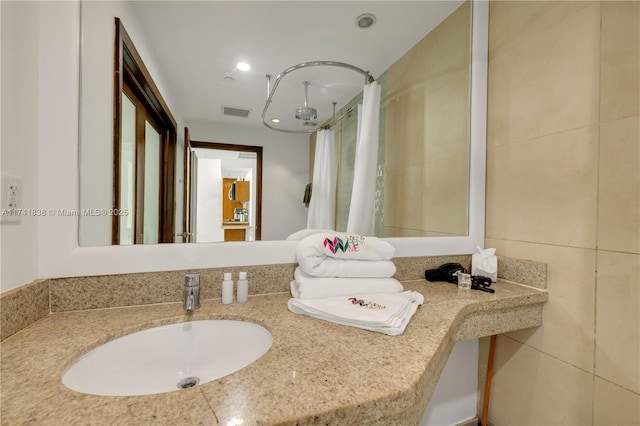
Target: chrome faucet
191 292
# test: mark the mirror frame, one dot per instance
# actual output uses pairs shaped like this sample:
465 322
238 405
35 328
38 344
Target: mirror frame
58 181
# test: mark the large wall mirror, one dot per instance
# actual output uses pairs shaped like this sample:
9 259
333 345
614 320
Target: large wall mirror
65 250
419 52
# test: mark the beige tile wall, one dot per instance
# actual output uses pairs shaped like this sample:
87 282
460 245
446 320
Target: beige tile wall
426 110
563 188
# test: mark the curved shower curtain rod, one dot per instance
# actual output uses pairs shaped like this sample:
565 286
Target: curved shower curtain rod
368 79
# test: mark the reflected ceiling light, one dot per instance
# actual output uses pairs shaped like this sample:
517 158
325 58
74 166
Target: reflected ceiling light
243 66
275 120
366 20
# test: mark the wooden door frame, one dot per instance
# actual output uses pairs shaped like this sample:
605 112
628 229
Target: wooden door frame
129 67
243 148
187 233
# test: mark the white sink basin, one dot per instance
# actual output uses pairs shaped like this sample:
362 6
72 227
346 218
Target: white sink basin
168 358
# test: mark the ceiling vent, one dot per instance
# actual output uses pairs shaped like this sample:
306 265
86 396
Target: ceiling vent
236 112
247 155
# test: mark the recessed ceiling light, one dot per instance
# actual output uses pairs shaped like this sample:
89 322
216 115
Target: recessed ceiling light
366 20
275 120
243 66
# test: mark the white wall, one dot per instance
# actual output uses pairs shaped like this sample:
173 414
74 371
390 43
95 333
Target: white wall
96 121
209 201
20 72
285 172
455 397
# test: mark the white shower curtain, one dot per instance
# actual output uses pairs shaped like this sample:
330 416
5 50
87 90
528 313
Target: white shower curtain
322 207
362 209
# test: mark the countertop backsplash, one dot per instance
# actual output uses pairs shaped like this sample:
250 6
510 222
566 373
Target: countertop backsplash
29 303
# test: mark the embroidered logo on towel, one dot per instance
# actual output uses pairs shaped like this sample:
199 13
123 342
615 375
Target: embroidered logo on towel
369 305
349 244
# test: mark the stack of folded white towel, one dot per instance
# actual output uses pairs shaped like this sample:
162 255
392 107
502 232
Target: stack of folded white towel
347 279
340 264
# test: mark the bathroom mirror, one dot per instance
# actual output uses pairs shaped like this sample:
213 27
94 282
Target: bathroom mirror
420 52
59 252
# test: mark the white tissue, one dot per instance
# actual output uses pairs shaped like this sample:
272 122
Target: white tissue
485 263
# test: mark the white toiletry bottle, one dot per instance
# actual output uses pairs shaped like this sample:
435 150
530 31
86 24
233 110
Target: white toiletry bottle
227 289
243 288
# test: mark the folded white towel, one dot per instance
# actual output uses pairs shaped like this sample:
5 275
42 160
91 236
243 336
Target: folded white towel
309 287
329 267
387 313
339 254
342 245
304 233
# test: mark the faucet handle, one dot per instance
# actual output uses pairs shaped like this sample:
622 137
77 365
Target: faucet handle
192 280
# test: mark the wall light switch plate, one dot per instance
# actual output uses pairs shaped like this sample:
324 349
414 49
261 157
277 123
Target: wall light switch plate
11 199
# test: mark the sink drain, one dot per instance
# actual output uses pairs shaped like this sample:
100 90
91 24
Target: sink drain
188 382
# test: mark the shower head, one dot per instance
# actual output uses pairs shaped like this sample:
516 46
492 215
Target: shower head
306 113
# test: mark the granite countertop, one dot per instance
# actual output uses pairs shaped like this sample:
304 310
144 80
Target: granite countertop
316 372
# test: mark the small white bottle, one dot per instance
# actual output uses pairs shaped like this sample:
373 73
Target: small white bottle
243 288
227 289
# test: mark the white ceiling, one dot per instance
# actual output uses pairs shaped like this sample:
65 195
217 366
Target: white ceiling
198 43
232 165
